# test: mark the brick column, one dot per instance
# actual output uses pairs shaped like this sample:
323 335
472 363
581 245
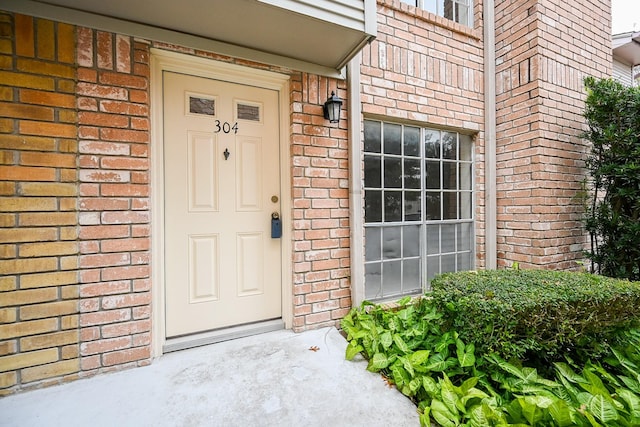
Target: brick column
38 217
319 153
115 290
544 49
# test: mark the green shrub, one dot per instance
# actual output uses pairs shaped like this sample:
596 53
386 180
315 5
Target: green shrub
613 202
537 315
452 384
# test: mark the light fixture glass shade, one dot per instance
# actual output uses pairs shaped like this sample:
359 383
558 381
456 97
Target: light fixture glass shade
332 108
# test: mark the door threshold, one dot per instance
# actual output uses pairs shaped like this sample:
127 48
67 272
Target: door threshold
219 335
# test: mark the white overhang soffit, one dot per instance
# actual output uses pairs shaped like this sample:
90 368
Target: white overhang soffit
317 36
626 48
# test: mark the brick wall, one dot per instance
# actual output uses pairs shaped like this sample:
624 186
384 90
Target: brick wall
75 290
38 215
544 49
320 175
425 69
75 256
114 218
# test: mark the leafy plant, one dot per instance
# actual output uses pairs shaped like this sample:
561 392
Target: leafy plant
453 384
536 315
613 213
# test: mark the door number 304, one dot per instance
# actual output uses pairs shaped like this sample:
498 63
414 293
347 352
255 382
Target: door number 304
226 127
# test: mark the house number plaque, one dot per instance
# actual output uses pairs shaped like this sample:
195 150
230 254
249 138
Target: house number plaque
226 127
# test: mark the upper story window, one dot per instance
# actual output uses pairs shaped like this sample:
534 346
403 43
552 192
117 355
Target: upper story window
460 11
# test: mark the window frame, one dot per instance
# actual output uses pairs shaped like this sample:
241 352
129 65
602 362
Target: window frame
463 243
428 5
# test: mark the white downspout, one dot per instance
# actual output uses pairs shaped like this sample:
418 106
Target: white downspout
356 209
490 214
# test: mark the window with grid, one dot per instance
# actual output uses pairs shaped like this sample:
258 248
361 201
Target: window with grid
418 206
460 11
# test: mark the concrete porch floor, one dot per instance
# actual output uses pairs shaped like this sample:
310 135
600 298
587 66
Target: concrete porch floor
271 379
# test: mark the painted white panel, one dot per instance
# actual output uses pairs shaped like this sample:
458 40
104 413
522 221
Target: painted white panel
210 282
202 179
249 173
250 263
623 73
203 268
349 13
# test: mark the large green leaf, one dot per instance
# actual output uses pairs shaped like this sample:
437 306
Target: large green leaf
530 411
442 415
598 385
592 420
561 413
602 409
425 418
406 364
506 366
478 417
540 401
473 393
634 385
443 343
611 379
353 349
414 385
628 364
386 340
437 363
466 356
419 357
431 386
567 392
537 390
468 384
394 324
378 361
400 376
568 373
449 398
402 346
631 400
529 374
405 313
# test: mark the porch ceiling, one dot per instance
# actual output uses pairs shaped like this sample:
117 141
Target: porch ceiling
626 48
324 33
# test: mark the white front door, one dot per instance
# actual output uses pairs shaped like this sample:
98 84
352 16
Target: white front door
222 184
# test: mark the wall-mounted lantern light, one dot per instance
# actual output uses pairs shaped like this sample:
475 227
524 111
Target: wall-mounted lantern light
332 108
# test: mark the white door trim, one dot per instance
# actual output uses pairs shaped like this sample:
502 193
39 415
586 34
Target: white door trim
161 61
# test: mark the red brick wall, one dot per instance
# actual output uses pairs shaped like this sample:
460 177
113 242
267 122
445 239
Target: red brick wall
114 137
320 190
38 217
425 69
75 290
98 260
544 50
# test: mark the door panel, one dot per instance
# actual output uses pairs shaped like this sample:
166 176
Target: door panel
249 173
250 266
204 282
203 182
221 149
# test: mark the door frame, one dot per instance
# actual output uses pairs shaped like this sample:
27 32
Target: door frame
162 60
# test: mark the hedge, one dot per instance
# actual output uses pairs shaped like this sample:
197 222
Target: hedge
537 314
